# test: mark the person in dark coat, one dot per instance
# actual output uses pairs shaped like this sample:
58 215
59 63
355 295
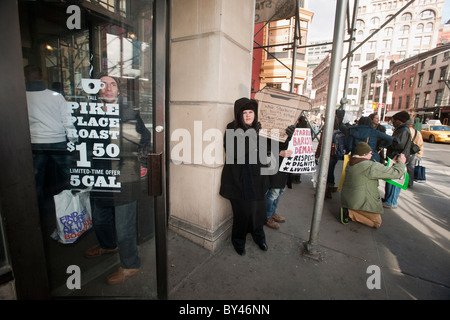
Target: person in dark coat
401 145
242 182
377 126
364 132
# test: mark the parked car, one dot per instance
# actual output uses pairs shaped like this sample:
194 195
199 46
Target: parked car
435 132
389 129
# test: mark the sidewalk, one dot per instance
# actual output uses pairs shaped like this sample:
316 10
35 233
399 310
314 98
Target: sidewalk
412 250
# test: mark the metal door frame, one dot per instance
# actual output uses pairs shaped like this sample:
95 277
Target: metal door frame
18 198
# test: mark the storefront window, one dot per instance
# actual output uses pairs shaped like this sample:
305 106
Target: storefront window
88 72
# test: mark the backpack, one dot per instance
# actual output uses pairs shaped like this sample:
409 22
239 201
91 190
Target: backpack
339 145
414 147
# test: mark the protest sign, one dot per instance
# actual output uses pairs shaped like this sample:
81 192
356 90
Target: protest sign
303 158
277 110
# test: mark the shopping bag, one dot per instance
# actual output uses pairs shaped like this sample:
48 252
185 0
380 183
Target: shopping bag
73 215
341 182
402 182
419 172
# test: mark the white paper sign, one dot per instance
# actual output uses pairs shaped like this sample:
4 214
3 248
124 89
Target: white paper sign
302 159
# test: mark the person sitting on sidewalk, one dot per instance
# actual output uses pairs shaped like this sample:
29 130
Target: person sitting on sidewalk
360 198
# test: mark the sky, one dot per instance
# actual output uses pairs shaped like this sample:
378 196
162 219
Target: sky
324 14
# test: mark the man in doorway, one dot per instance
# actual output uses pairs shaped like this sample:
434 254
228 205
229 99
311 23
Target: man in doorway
115 213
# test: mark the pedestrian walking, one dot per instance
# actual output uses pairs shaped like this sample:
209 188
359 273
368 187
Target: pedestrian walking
416 138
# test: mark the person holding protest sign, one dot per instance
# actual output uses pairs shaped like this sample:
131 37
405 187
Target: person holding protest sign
360 197
242 182
115 213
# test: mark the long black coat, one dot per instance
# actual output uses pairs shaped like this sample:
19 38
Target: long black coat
241 178
243 181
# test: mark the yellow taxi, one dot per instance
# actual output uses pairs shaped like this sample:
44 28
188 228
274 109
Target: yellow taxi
435 132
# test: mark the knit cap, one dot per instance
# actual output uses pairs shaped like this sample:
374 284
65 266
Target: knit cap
362 148
403 116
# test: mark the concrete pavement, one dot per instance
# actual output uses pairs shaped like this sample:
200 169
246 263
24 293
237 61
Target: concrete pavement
411 250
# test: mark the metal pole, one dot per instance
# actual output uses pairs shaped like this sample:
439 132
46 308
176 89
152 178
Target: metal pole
333 84
350 56
294 44
380 98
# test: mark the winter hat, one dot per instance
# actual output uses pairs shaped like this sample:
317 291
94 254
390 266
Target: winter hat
362 148
403 116
244 104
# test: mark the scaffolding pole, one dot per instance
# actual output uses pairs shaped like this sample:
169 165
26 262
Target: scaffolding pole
335 68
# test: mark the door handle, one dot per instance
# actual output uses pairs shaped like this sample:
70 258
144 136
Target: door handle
154 174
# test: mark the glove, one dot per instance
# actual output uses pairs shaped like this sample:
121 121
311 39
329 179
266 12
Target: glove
290 130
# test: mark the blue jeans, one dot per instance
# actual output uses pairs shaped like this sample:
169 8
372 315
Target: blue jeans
391 194
40 162
272 198
110 221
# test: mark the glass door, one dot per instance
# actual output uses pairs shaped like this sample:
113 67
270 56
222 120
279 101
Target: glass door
89 79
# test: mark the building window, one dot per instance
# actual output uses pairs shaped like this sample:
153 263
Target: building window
403 42
403 84
411 81
442 74
407 102
419 28
388 31
438 97
375 21
433 60
404 30
370 56
363 89
360 24
419 83
427 14
426 100
416 100
399 102
431 76
406 17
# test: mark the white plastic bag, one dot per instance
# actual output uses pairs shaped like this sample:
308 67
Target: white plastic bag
73 215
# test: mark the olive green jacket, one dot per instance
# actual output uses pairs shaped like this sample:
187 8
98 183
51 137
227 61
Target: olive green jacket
360 188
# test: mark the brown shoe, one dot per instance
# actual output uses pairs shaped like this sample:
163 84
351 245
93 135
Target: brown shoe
272 224
278 218
97 251
121 275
